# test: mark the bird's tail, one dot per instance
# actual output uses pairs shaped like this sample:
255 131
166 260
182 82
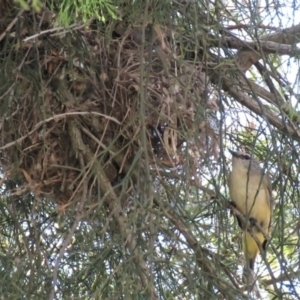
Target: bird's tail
251 249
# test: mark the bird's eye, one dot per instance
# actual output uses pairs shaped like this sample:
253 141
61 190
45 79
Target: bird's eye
246 157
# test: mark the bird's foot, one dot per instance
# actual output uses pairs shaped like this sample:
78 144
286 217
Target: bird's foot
231 203
264 244
252 221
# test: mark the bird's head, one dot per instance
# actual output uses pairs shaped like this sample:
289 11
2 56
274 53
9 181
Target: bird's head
243 161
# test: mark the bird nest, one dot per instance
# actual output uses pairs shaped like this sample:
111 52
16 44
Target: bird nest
75 104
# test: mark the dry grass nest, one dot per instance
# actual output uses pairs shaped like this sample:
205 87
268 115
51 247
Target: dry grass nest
74 104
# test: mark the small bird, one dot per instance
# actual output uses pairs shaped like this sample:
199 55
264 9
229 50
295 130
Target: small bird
250 192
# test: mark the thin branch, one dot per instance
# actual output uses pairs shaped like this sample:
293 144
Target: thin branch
67 240
56 29
244 220
282 41
250 26
281 278
12 23
111 199
201 253
265 46
239 94
288 36
56 117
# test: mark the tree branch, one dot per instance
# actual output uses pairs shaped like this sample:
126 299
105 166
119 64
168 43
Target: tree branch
281 42
201 253
238 93
265 46
111 199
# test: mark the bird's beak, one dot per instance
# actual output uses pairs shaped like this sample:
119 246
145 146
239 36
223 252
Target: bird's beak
233 153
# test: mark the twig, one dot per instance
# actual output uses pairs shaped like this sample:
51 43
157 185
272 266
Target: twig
244 221
245 26
129 240
51 30
12 23
56 117
265 46
281 277
202 261
238 93
67 241
115 208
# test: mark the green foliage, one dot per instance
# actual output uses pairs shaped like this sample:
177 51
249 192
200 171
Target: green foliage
81 10
36 5
291 112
